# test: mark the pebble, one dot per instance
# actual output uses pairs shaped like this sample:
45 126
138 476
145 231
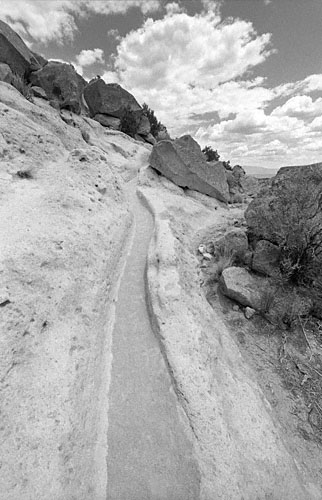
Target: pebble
249 312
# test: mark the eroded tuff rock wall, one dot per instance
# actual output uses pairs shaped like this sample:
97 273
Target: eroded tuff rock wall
64 225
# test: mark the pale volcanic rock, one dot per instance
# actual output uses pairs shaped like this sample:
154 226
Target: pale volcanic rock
183 163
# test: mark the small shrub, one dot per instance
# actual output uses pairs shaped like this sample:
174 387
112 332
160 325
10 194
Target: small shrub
155 125
211 154
294 262
267 300
22 86
226 257
25 174
129 123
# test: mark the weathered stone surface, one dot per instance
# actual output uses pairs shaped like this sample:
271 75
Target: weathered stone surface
40 59
183 163
233 182
61 83
246 289
234 240
6 74
109 99
139 138
108 121
250 185
288 213
39 92
144 126
240 183
266 258
14 51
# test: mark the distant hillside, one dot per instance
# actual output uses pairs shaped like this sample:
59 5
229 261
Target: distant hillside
260 172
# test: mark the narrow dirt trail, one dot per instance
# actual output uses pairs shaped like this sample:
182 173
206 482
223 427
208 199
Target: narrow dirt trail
149 454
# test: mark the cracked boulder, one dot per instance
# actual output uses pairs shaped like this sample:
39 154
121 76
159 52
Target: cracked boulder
109 99
62 85
183 163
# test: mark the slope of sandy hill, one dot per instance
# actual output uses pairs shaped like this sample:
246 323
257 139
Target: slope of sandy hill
64 226
241 447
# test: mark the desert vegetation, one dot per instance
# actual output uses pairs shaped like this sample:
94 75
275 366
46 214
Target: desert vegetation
155 124
213 155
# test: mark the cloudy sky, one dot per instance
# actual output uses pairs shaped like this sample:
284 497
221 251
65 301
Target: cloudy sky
244 76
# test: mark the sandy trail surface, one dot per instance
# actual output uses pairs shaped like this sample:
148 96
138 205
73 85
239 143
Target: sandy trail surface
150 455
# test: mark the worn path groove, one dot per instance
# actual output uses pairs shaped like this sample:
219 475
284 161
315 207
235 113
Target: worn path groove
149 456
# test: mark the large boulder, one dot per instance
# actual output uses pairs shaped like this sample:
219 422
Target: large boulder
109 99
238 284
288 213
183 163
61 83
15 53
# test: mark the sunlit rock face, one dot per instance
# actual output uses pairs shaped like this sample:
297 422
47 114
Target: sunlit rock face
183 163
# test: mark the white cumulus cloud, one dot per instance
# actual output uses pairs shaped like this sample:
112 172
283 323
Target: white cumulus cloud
88 57
56 19
300 106
188 64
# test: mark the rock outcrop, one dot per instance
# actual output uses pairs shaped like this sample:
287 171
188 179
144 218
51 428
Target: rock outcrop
288 213
108 99
241 184
183 163
61 83
15 53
